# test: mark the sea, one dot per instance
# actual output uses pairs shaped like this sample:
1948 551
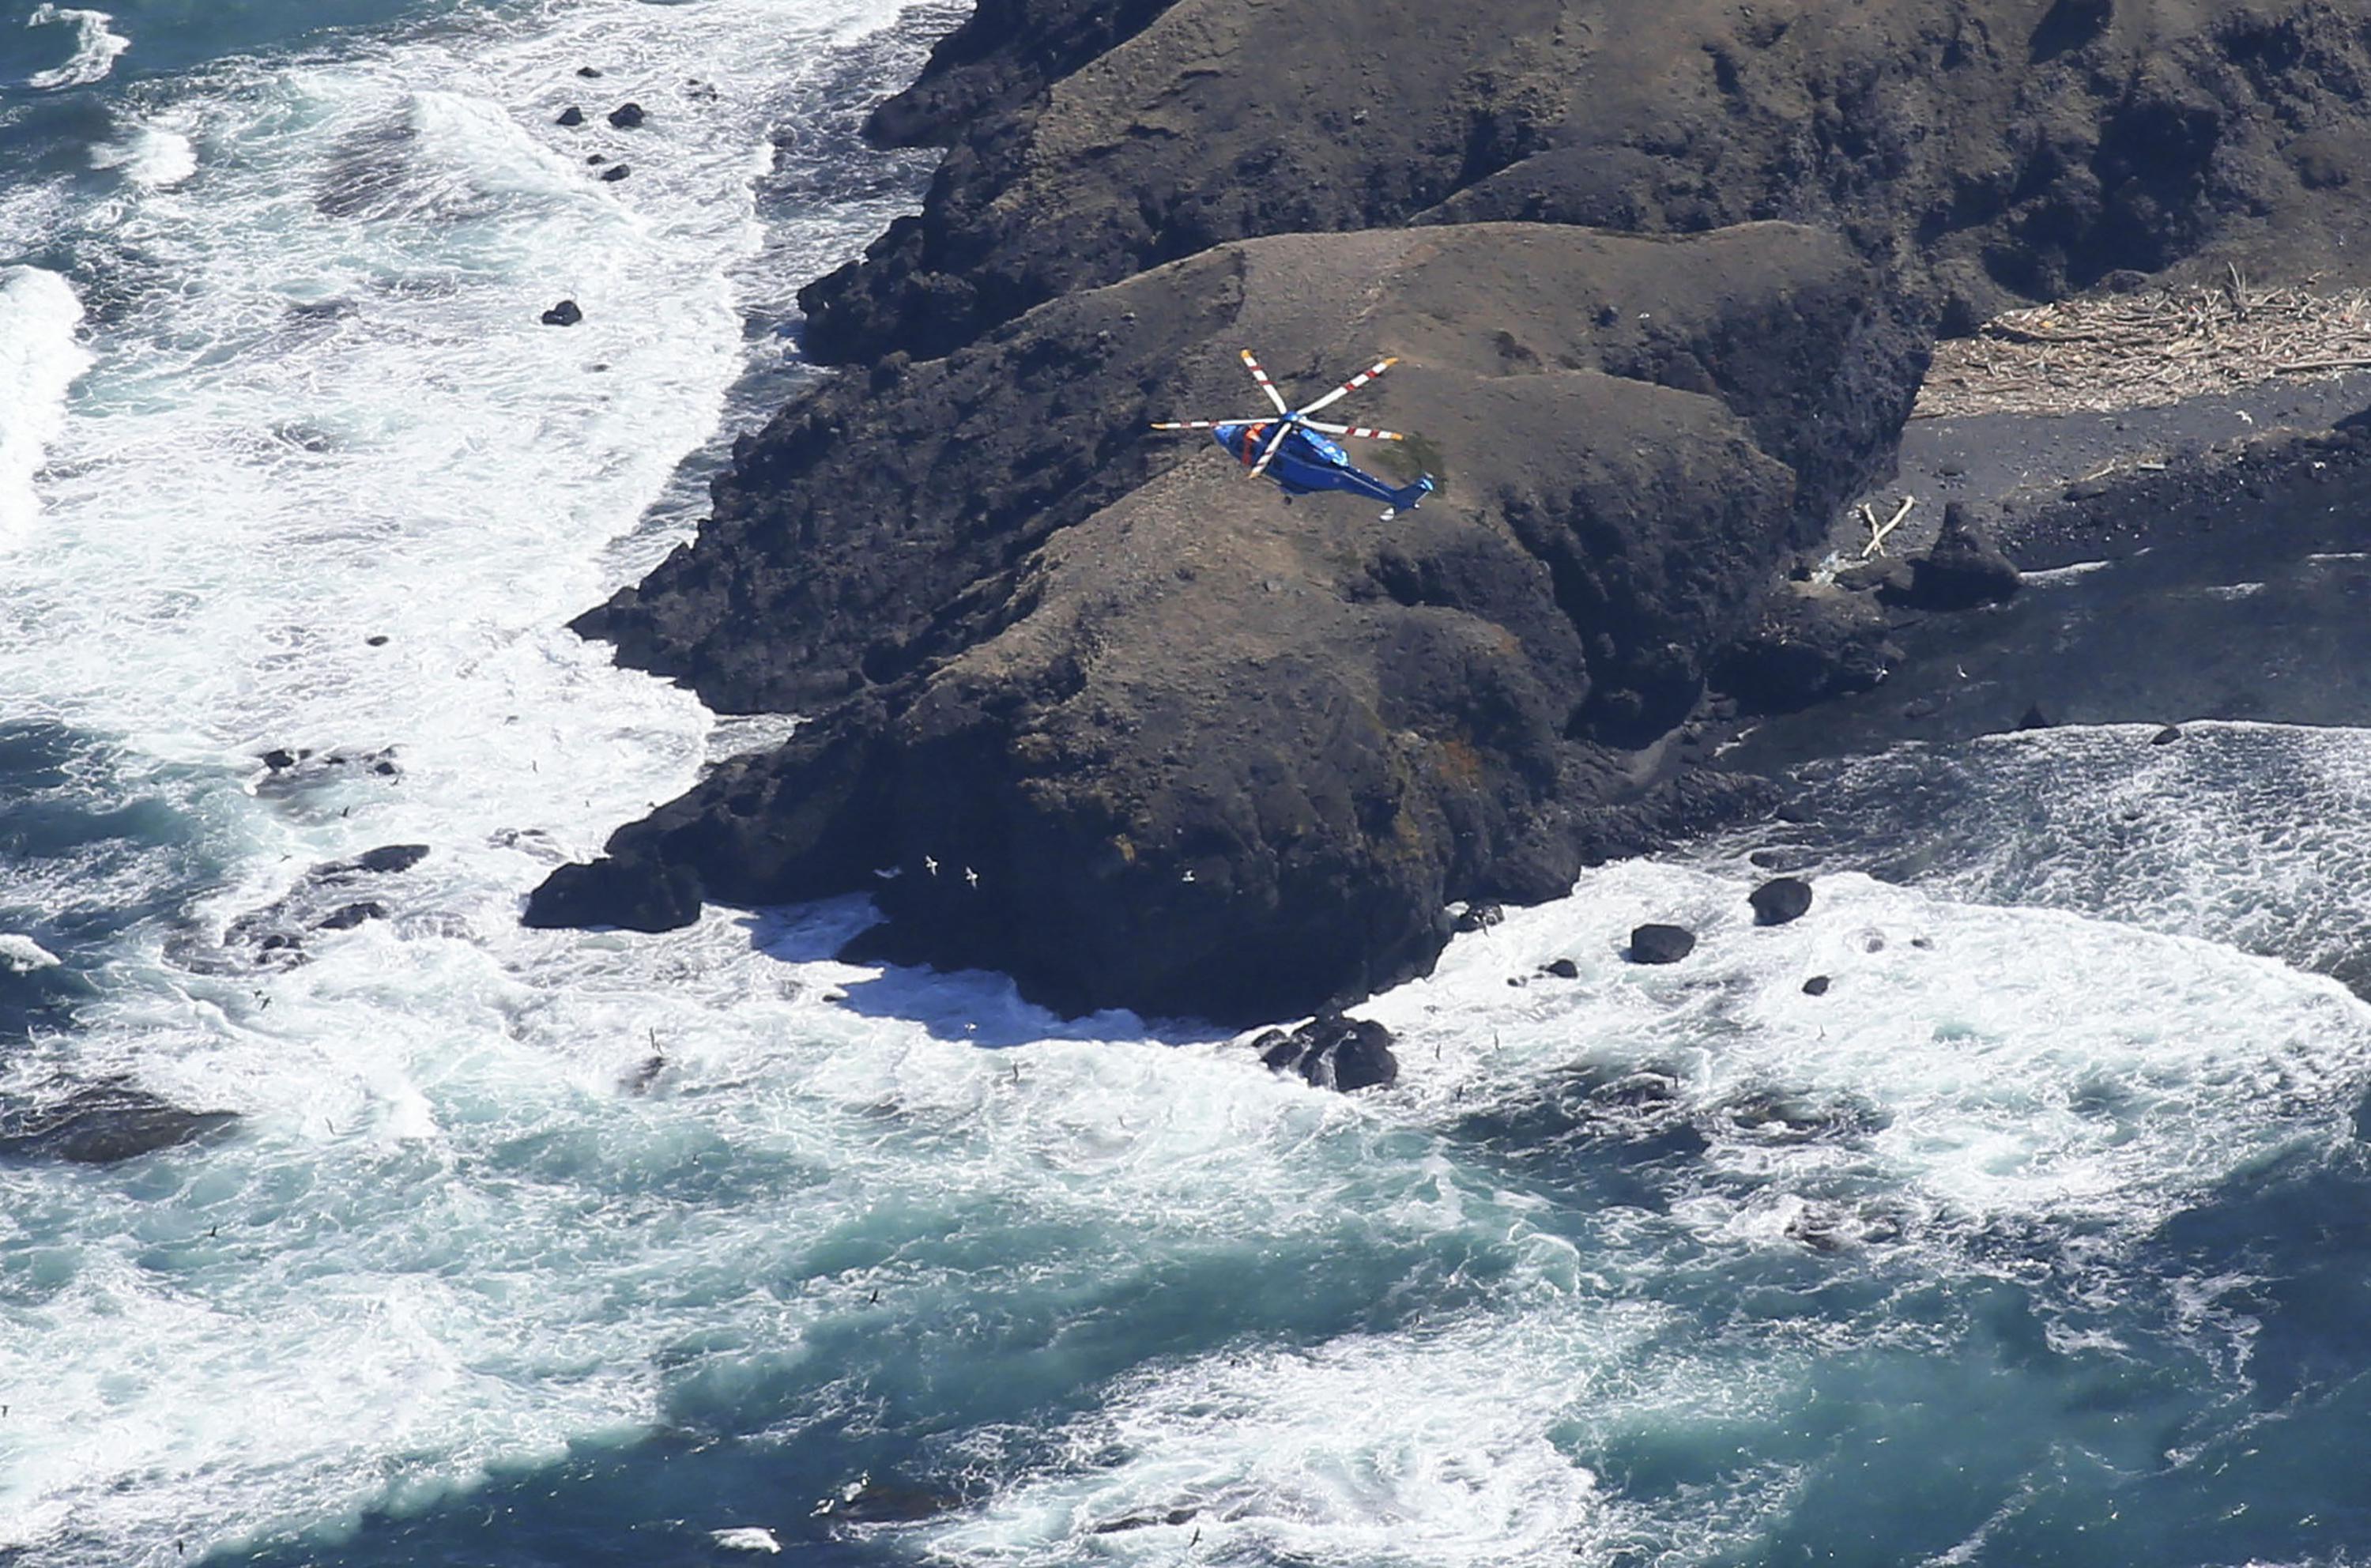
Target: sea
2040 1235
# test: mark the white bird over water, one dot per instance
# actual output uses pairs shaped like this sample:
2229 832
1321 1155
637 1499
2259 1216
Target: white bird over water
971 876
745 1538
930 865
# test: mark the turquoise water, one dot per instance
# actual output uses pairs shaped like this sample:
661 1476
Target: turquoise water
2039 1237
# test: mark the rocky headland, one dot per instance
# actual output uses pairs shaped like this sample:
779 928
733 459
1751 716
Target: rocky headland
1084 706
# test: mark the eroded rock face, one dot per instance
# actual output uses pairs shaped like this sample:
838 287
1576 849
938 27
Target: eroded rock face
1992 151
1177 746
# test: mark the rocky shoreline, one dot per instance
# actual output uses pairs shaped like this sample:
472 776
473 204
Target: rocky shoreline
1084 707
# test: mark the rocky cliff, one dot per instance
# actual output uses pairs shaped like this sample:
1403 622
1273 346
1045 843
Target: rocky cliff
1138 733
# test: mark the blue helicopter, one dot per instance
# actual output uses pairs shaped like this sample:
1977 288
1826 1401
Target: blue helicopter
1293 450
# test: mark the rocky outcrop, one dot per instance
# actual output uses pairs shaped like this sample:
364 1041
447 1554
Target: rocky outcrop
1333 1052
1963 571
1991 151
1084 707
1174 746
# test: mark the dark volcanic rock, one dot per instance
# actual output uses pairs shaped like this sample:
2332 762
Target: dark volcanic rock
2165 736
1817 986
571 115
567 313
1964 569
385 860
345 918
1995 154
1562 968
1199 754
1661 944
617 171
627 116
321 900
1083 662
1333 1052
1813 641
633 894
2035 719
1779 900
103 1124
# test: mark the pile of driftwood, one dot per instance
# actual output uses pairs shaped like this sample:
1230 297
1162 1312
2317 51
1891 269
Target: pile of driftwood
2131 351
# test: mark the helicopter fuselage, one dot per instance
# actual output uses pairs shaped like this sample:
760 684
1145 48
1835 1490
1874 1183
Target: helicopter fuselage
1308 463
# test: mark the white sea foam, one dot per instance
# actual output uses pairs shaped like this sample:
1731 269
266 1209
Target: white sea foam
2253 835
150 156
39 362
2068 573
2029 1096
94 49
21 952
325 408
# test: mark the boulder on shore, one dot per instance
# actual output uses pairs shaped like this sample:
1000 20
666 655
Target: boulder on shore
1661 944
1963 571
1333 1052
1779 900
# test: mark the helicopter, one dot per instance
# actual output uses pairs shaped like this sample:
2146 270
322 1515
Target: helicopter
1291 448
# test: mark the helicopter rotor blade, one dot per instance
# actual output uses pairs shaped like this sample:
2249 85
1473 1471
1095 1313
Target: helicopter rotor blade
1189 424
1352 385
1275 444
1363 432
1266 385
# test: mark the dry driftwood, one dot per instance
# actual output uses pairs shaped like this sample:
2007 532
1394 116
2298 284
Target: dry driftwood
2133 350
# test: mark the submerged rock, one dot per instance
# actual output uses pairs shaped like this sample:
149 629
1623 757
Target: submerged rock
571 115
347 917
627 116
1333 1052
385 860
1661 944
103 1124
617 171
1779 900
